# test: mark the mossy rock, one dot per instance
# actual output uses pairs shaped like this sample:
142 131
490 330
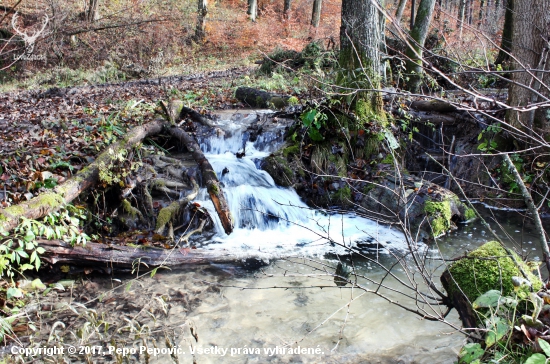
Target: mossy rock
278 167
489 267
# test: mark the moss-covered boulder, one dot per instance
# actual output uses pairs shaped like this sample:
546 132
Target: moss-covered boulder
489 267
280 169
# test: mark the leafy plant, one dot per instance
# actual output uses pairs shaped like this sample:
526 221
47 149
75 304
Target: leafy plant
314 120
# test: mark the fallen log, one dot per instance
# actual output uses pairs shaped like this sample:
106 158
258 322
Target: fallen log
257 98
209 177
108 256
64 193
447 118
433 105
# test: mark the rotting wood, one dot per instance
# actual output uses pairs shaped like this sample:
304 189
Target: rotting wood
209 177
107 257
433 105
64 193
448 118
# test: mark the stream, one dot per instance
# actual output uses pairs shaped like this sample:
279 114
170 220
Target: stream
287 307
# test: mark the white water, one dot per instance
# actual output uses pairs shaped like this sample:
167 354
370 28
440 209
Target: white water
271 219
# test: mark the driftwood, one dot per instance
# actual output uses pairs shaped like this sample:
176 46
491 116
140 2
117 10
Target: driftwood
47 202
107 256
209 178
175 110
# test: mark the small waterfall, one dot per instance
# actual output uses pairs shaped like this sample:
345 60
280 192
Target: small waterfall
272 219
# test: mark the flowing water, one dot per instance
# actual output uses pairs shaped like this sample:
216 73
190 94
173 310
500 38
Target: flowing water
278 313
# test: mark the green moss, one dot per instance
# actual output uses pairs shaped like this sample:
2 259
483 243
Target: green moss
470 214
128 208
494 270
369 187
3 218
292 150
440 216
343 194
388 159
293 100
213 189
166 214
15 210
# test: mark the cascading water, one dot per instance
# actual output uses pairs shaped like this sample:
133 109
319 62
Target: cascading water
271 219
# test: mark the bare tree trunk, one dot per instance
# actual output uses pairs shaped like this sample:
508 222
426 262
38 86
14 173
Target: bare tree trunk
418 35
286 9
399 12
316 14
360 39
202 12
253 9
461 14
507 30
413 12
92 14
530 31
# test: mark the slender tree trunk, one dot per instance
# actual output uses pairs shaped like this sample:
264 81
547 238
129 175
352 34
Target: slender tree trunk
461 14
418 35
286 10
93 14
506 42
316 14
253 9
400 11
530 31
413 10
360 40
481 13
202 12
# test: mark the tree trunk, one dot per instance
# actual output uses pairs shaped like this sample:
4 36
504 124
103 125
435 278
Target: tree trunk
507 30
360 40
418 35
399 13
92 14
286 9
413 12
316 14
530 31
47 202
202 12
461 14
253 9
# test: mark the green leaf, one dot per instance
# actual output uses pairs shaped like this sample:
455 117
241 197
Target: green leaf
488 299
29 236
544 346
14 293
315 135
40 250
498 328
470 352
536 359
37 284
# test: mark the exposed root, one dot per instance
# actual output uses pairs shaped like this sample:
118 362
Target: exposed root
185 238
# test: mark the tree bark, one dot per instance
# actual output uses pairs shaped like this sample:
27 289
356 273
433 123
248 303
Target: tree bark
92 14
202 12
253 9
413 11
400 11
507 30
107 257
286 9
360 40
47 202
530 32
316 14
414 52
